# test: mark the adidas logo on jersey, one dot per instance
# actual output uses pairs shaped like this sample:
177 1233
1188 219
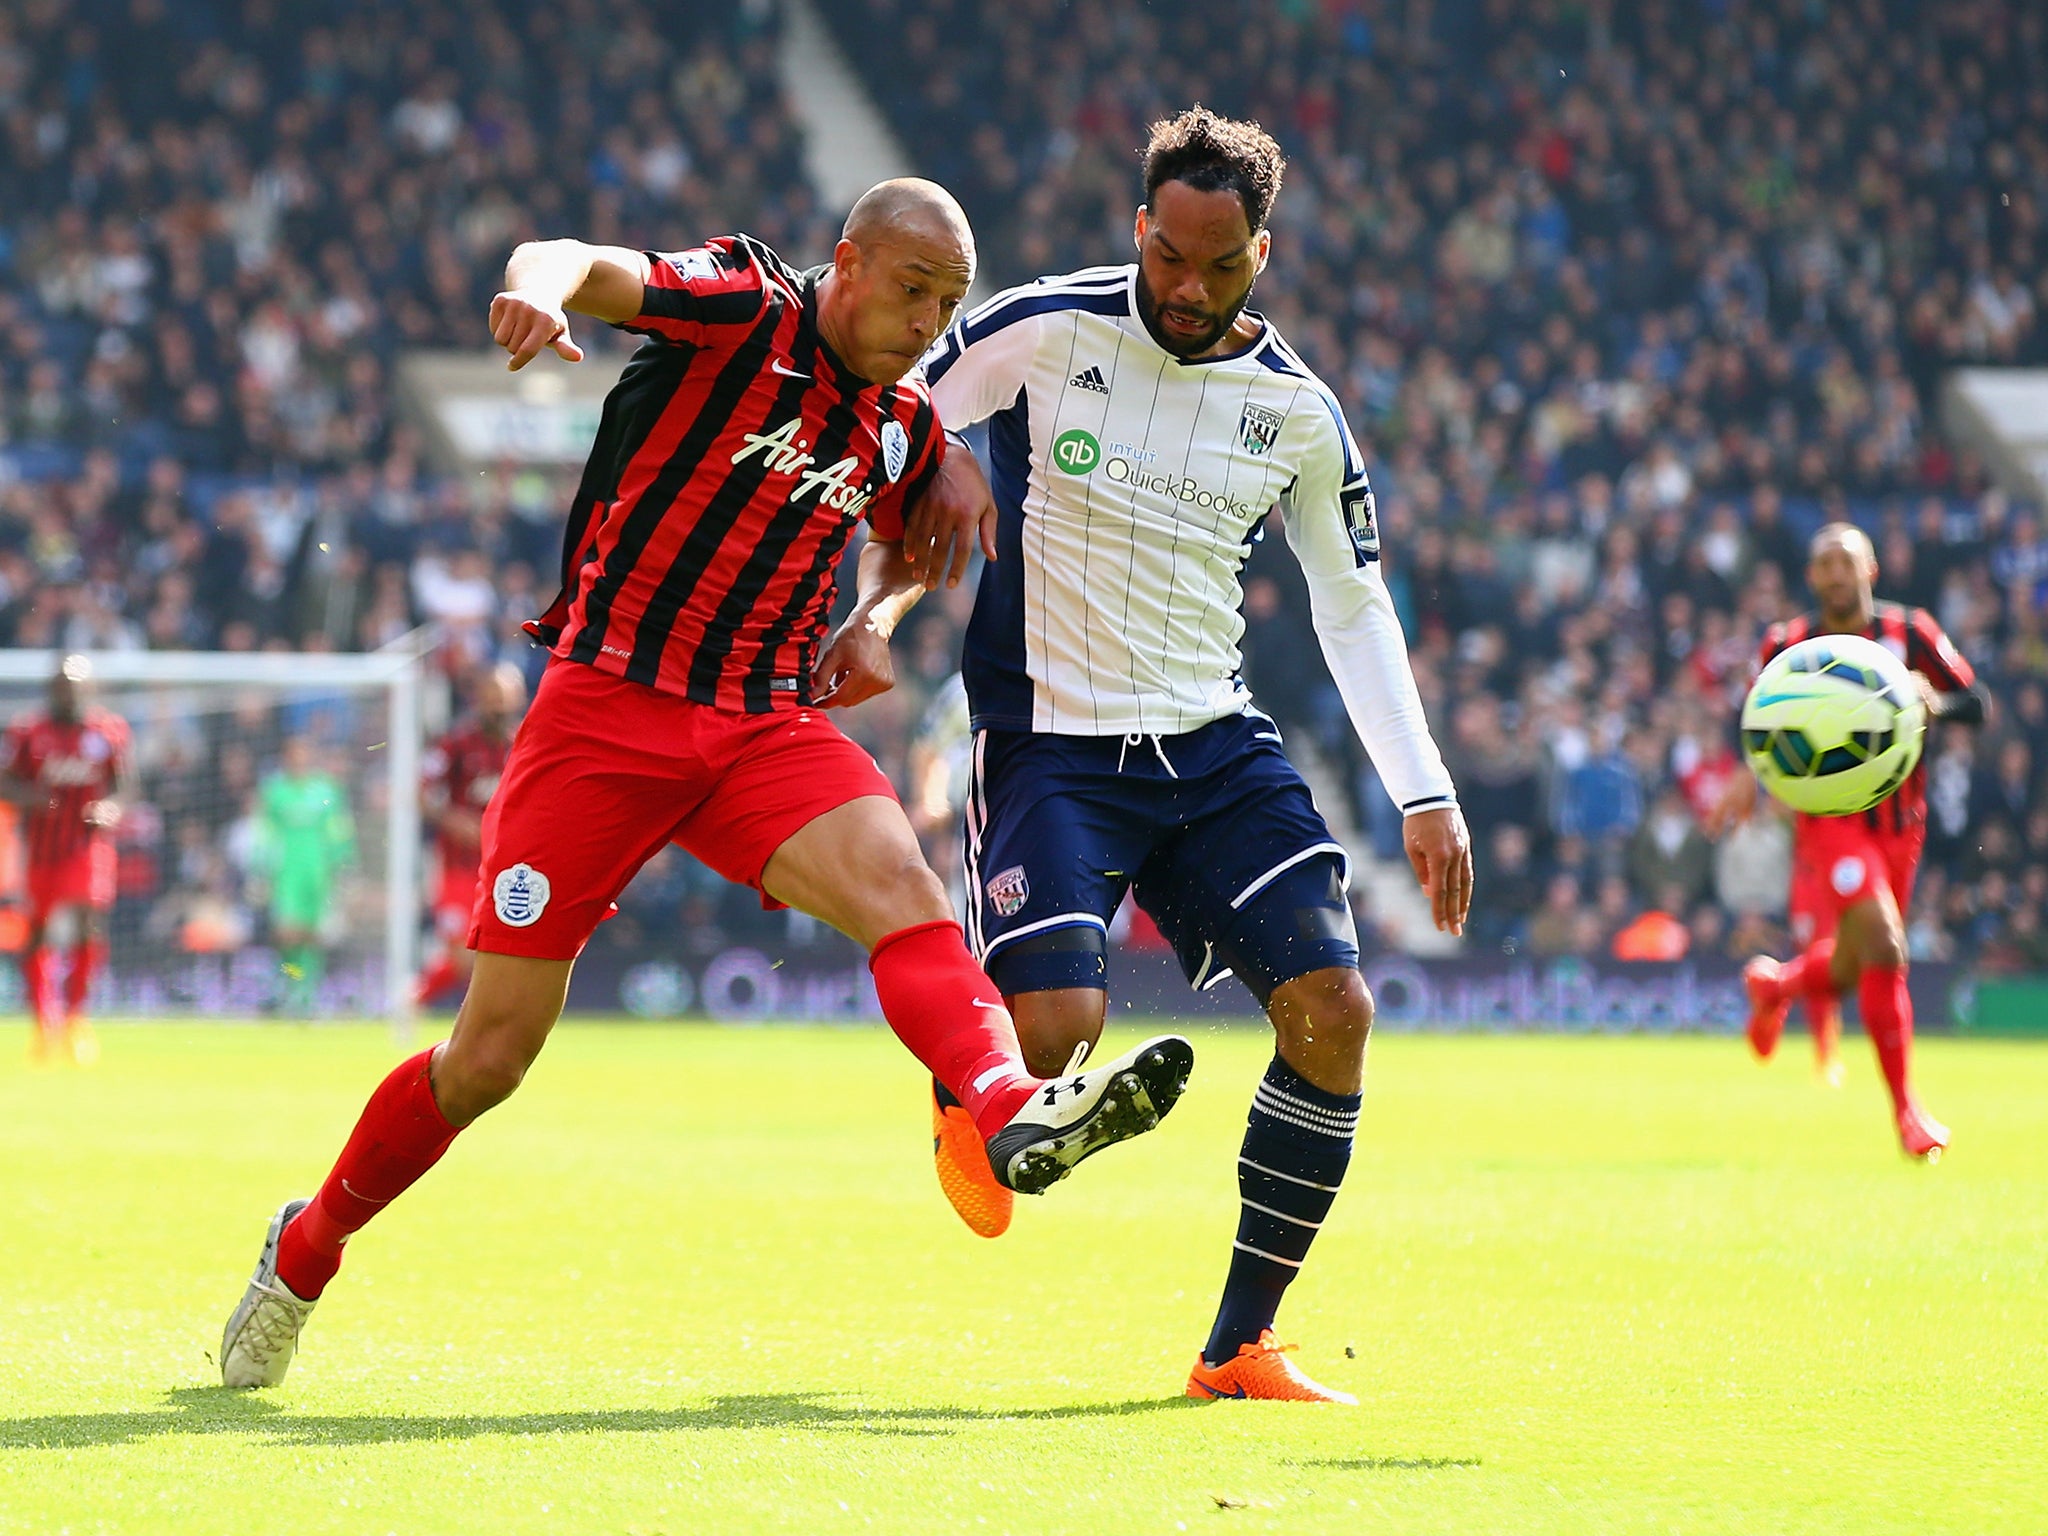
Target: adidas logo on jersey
1090 378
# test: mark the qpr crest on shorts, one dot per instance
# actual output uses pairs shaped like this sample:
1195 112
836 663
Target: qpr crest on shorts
520 894
895 449
1258 428
1008 890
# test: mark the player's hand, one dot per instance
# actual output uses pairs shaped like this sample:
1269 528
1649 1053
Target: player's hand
526 327
939 532
1440 849
853 667
1929 694
105 814
1735 803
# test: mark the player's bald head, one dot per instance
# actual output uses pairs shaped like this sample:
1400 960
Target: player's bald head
70 685
1843 536
900 270
910 210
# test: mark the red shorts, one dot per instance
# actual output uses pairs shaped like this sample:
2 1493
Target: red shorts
1838 861
455 897
604 772
85 879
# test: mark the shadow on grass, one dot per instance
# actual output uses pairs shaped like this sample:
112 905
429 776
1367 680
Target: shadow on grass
1376 1463
221 1411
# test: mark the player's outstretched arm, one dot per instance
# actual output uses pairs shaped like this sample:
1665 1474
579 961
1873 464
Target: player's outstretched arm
854 665
545 279
940 530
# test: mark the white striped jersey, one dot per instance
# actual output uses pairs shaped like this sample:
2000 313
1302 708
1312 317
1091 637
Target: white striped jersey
1129 485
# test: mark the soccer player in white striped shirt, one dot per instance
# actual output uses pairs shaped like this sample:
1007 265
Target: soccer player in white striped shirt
1142 424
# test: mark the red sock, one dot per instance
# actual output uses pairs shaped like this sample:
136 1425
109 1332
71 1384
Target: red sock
946 1010
35 979
86 960
436 979
401 1135
1888 1020
1807 975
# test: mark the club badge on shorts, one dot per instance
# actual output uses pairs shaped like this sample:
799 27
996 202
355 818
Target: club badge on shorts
1847 876
520 894
1009 890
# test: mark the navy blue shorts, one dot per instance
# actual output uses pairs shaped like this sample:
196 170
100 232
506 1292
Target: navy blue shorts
1213 832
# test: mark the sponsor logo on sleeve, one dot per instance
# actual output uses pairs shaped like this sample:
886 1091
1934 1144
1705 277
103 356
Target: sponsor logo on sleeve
696 266
1361 524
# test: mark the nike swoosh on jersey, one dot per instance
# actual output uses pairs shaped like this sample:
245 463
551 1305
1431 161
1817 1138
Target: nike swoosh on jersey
777 365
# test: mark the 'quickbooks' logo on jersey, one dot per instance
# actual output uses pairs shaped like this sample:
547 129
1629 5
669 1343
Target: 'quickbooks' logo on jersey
1178 488
1076 452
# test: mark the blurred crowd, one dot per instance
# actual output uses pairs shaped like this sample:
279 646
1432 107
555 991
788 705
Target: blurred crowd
1623 301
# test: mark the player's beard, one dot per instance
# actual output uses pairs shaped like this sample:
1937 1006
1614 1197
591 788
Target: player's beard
1189 346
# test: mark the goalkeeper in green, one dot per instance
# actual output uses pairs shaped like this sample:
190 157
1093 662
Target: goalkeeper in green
308 838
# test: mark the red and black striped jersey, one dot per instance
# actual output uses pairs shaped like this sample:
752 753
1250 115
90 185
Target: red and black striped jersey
1912 635
72 763
732 460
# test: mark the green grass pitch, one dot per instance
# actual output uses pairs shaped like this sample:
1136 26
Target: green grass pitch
702 1280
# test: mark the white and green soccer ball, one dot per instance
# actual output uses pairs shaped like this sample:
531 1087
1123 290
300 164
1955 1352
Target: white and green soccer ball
1833 725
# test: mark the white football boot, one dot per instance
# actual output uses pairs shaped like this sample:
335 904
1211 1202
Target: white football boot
1077 1114
263 1334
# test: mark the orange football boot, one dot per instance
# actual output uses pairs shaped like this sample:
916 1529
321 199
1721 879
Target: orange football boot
1766 1018
961 1160
1262 1370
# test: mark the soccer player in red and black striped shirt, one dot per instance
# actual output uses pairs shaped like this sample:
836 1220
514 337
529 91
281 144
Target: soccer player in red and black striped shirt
1852 876
63 769
768 412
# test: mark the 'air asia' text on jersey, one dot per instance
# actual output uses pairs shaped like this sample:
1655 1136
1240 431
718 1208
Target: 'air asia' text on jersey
731 463
1912 635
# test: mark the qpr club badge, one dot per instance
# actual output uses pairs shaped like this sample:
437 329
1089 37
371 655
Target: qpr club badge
520 895
1008 891
895 448
1258 428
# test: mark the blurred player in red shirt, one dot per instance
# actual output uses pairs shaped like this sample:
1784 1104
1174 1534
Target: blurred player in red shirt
63 769
1852 876
456 783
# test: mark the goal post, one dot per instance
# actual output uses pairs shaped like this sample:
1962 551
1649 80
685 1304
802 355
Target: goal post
197 907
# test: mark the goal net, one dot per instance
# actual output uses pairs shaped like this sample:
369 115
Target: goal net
232 898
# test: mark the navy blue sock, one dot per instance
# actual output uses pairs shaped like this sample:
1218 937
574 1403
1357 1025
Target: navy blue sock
1297 1145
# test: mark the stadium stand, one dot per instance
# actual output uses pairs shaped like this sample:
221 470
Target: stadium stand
1623 301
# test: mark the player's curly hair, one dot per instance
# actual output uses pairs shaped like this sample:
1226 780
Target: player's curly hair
1216 154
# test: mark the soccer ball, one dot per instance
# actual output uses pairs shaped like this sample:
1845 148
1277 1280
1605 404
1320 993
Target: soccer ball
1833 725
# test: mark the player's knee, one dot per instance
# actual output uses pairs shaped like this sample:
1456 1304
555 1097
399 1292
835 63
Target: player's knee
478 1074
907 892
1328 1012
1882 947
